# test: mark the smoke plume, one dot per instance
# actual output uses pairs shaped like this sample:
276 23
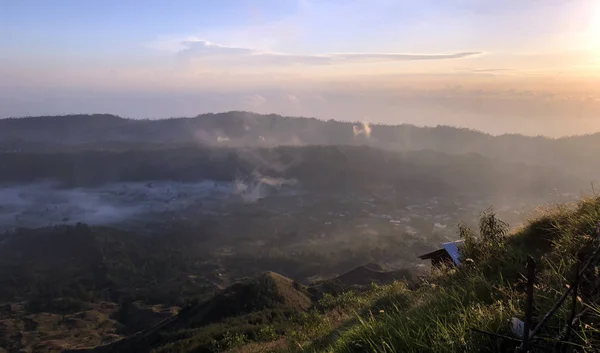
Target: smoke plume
364 128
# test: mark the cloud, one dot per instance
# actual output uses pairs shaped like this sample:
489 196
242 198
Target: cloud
375 57
490 70
294 99
255 101
201 49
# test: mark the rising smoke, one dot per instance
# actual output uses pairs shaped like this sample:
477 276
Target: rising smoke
259 186
364 128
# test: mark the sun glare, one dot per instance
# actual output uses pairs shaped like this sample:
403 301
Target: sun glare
594 27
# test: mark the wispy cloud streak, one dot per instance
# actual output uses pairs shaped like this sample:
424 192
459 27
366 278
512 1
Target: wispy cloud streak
201 49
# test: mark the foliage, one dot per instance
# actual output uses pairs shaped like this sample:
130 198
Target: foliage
492 232
486 294
267 333
229 341
308 326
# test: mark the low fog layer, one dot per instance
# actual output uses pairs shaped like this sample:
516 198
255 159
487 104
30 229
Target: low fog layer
44 204
108 170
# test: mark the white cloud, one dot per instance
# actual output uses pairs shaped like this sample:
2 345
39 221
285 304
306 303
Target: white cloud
205 50
255 101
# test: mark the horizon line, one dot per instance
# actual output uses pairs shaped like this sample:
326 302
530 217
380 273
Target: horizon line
506 134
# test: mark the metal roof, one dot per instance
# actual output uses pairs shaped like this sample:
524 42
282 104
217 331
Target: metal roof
436 253
452 248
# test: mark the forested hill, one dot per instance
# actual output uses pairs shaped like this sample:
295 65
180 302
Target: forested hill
332 168
573 154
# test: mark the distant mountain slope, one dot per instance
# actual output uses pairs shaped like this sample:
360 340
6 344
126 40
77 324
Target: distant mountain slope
332 168
366 274
575 154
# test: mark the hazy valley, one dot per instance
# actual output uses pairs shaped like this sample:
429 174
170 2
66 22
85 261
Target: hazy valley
101 213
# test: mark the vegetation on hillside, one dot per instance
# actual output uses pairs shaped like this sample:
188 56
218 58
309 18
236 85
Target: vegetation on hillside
436 316
273 313
485 294
354 206
316 168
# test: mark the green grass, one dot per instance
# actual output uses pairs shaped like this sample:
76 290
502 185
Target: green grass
438 316
274 314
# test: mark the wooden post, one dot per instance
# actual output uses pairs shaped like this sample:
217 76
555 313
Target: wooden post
562 299
573 301
528 304
566 333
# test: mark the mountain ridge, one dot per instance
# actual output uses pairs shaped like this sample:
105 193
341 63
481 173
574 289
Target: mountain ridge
244 129
115 117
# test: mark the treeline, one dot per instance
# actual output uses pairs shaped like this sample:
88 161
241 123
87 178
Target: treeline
332 168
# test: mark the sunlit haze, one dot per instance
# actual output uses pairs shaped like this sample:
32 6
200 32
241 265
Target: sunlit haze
530 67
290 176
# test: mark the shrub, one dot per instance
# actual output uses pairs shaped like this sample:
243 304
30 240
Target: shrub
439 315
266 334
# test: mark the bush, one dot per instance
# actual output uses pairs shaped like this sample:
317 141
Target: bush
228 341
439 315
491 238
266 334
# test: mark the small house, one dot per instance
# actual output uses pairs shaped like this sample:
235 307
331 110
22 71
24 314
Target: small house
449 254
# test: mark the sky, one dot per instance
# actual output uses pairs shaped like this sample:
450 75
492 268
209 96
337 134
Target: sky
511 66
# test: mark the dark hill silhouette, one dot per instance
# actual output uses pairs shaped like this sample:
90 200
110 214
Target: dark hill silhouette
363 276
270 294
270 297
248 129
335 168
268 291
83 261
367 274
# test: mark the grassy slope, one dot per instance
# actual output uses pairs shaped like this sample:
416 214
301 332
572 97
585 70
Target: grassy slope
438 316
244 310
435 317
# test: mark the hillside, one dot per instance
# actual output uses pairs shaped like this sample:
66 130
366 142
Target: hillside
274 313
373 273
268 291
242 307
82 263
439 316
340 168
254 130
436 316
242 232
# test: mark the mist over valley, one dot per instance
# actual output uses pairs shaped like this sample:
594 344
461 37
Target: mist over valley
103 210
